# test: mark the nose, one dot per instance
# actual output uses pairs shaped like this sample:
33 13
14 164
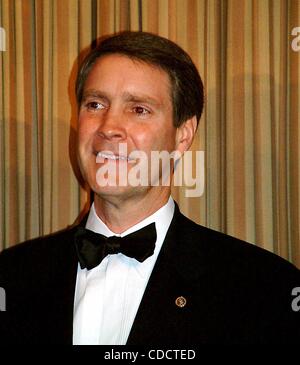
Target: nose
112 127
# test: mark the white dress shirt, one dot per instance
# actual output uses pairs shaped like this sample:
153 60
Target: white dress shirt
108 296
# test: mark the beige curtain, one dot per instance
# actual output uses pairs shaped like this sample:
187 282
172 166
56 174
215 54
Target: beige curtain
249 130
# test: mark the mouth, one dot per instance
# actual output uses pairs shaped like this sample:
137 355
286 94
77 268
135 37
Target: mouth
110 156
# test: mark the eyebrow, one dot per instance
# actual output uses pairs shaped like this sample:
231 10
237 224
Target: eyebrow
142 98
92 93
127 96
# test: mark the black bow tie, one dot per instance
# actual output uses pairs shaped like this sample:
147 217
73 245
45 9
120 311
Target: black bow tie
93 247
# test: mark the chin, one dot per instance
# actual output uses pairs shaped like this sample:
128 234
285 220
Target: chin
118 192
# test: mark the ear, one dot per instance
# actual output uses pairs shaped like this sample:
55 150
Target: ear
185 134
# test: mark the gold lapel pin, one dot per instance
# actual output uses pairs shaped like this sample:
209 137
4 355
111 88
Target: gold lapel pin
180 302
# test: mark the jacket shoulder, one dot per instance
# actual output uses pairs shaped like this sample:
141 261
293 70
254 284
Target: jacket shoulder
229 252
37 254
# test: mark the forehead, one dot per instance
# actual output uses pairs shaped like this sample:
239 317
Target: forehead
118 72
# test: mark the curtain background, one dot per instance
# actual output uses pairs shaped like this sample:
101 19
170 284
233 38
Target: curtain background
249 130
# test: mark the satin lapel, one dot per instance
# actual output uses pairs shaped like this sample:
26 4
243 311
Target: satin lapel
52 309
66 291
167 282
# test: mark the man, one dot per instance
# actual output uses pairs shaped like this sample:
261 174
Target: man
166 281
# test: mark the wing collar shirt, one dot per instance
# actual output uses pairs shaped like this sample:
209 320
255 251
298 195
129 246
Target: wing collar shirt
108 296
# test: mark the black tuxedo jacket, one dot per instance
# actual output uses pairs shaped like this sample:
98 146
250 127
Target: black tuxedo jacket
235 292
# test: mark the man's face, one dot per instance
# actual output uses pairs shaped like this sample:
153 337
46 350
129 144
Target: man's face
128 103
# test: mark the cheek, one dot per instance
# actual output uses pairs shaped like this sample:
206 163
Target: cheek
86 128
154 140
144 138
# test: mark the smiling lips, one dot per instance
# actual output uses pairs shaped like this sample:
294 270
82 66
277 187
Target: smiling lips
101 156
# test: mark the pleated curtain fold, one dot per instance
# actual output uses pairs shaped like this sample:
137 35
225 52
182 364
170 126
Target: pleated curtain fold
249 131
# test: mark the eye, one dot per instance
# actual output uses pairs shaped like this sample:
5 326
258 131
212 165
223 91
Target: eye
140 110
94 105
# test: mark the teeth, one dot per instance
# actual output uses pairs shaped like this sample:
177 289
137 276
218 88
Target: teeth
102 155
108 156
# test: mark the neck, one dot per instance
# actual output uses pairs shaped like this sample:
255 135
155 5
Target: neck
119 214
